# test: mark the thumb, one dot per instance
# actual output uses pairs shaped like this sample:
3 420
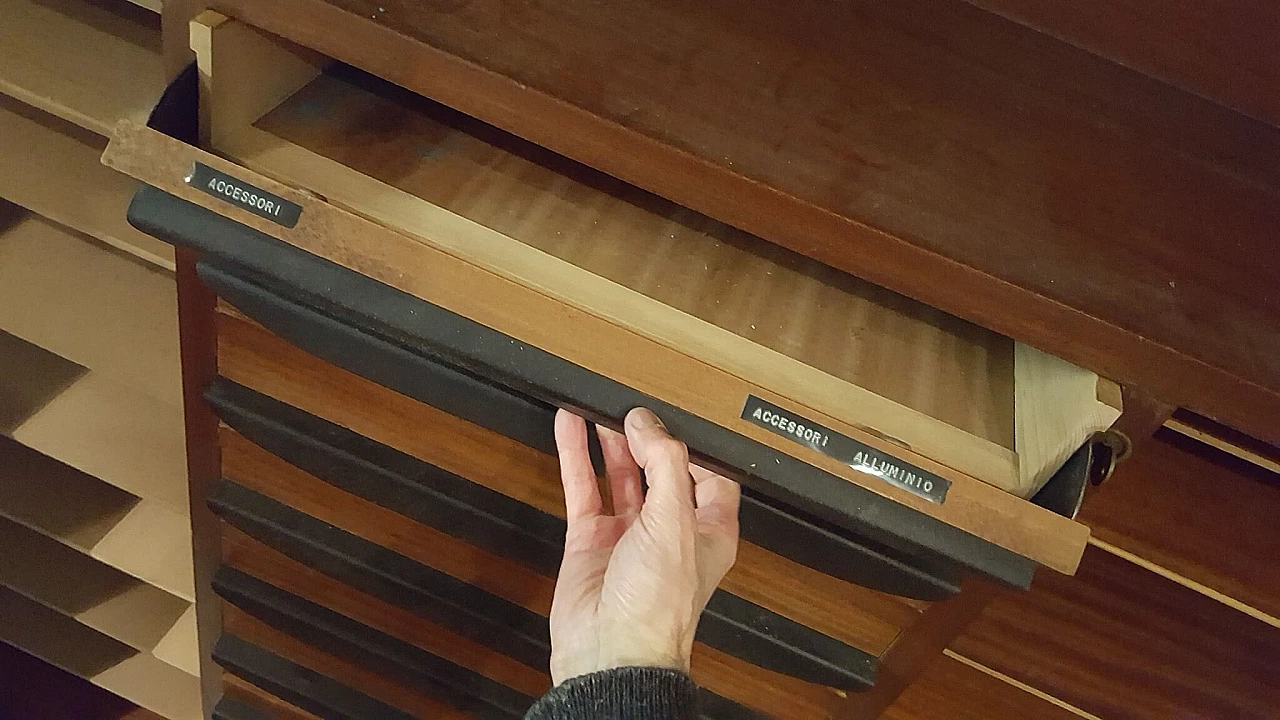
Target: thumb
665 461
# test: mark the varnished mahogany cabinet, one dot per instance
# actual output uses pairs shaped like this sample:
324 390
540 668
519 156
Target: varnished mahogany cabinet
941 285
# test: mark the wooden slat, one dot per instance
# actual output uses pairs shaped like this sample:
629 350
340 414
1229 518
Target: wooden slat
94 594
180 646
598 346
61 641
53 168
952 689
140 537
1119 641
931 148
250 355
92 63
244 553
30 378
248 465
1203 516
32 689
122 420
121 320
1226 439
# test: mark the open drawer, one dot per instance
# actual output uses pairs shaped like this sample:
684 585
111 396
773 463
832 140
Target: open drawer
443 236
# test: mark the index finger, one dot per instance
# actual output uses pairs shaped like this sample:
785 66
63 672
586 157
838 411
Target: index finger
581 491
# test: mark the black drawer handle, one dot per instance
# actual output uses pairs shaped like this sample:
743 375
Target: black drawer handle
730 624
270 604
231 709
323 628
386 574
264 268
307 689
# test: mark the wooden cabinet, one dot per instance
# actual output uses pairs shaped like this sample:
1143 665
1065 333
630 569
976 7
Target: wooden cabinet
407 293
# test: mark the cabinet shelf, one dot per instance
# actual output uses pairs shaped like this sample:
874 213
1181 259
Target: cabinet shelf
90 63
96 595
107 663
71 186
142 538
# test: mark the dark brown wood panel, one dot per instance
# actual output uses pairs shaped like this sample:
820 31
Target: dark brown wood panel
254 696
272 566
252 356
1224 50
1121 642
259 470
933 148
1198 512
949 688
411 700
245 463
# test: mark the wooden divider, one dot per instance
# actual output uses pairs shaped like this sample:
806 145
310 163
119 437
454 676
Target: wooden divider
140 537
70 185
114 603
92 63
97 366
107 663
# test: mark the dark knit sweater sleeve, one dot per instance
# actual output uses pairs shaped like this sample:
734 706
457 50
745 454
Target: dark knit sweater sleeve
628 693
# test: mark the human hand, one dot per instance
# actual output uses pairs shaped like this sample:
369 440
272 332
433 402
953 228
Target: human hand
633 584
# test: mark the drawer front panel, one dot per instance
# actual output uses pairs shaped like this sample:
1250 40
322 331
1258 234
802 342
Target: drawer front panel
730 623
253 357
367 647
317 681
361 628
1013 531
764 522
385 574
242 700
405 555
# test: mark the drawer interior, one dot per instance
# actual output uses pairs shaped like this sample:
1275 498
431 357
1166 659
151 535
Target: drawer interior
970 399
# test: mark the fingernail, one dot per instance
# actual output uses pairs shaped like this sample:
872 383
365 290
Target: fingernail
644 419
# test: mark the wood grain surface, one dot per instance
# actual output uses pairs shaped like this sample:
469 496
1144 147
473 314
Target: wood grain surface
411 700
932 148
265 563
1224 50
92 63
949 688
1119 641
599 346
72 188
895 347
723 674
245 692
1198 512
252 356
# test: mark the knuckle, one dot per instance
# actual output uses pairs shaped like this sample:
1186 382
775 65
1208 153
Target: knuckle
671 449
